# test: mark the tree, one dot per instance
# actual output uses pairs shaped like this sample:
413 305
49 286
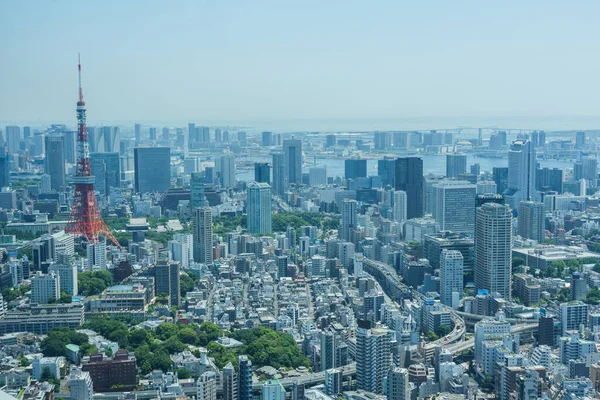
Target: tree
166 330
431 336
442 330
47 375
183 373
53 347
592 296
138 337
65 298
188 336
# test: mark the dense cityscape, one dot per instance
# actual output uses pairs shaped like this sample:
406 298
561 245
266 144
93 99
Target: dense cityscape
307 200
216 263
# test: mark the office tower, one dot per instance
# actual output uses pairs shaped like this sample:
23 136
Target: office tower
382 140
333 382
386 170
475 169
206 387
531 221
398 386
13 139
456 164
54 164
409 178
262 172
230 382
330 141
193 133
355 168
96 255
590 170
521 173
373 356
44 287
197 190
572 315
70 146
349 218
273 390
244 378
165 134
493 257
317 176
4 168
486 187
204 132
26 132
327 350
225 166
106 167
500 175
8 199
152 134
267 139
400 205
580 140
455 206
152 169
45 183
279 181
242 138
549 179
108 139
258 208
451 277
218 135
225 136
138 133
81 385
67 275
292 149
203 235
578 287
167 281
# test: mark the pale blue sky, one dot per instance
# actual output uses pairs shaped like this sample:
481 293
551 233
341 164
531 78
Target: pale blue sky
223 61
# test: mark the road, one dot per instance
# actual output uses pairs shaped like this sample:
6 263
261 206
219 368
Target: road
316 378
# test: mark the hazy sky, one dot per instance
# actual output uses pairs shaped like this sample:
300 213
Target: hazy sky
259 60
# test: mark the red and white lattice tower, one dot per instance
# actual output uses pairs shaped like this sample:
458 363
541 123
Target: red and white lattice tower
85 217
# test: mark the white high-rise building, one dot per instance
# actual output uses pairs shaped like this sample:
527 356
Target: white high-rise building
188 239
349 214
489 330
258 208
180 252
273 390
531 222
451 277
225 167
206 387
521 173
373 356
400 206
203 235
82 387
317 176
64 243
398 386
493 256
44 287
96 255
455 206
573 315
67 275
486 187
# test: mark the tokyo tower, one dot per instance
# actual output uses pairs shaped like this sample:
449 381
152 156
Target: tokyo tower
85 217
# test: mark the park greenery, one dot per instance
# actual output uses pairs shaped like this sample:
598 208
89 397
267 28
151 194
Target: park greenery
153 348
91 283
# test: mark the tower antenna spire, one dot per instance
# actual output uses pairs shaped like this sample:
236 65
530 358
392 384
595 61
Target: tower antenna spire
79 72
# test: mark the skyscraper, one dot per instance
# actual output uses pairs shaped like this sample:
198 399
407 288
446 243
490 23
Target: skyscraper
549 179
531 222
152 134
109 135
197 189
111 175
225 166
267 139
355 168
373 356
13 139
258 208
400 206
230 382
167 280
152 169
500 175
580 140
292 149
54 164
386 170
245 378
493 256
4 176
521 173
456 164
349 218
279 181
455 206
451 277
262 172
138 133
203 235
409 178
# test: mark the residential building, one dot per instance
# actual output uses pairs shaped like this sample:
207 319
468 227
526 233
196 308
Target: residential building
166 276
45 287
400 206
108 372
373 356
203 235
81 385
531 221
67 275
258 208
451 277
